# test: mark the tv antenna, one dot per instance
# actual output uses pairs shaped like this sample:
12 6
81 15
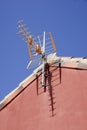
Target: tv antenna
39 48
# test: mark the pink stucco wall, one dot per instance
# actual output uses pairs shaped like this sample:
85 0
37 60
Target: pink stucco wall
63 105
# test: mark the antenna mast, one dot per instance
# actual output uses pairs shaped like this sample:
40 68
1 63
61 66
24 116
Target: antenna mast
43 60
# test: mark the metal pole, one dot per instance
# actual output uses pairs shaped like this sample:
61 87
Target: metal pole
44 61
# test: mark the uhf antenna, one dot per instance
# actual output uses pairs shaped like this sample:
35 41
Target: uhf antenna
39 48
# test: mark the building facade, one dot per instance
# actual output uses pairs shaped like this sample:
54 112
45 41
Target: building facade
61 105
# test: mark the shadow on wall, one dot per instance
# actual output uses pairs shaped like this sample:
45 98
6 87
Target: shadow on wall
52 80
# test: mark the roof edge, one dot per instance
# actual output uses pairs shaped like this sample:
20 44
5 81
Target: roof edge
22 85
53 60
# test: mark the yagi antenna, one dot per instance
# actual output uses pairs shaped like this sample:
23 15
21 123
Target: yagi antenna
39 48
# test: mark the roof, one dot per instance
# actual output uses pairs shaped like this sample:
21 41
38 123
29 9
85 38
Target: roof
53 60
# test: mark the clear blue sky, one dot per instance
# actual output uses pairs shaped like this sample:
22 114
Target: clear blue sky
66 19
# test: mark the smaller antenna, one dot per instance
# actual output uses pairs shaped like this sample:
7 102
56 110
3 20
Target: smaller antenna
54 46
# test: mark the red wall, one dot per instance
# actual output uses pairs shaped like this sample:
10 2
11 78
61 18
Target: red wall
63 105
